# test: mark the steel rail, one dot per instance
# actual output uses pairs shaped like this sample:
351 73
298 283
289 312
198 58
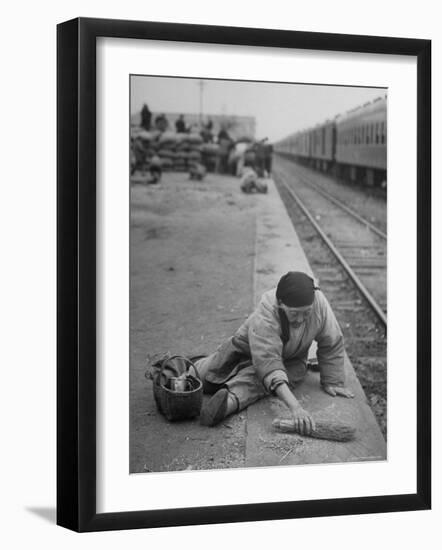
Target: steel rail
340 204
368 297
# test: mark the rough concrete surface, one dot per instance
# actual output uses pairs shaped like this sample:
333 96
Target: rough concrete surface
201 255
279 250
192 262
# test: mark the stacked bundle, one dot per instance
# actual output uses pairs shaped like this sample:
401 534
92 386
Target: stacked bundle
177 151
187 151
210 155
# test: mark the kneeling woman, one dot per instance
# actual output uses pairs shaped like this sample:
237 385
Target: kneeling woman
268 353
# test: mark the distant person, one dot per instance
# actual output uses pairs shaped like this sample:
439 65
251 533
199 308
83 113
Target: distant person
260 157
158 122
197 171
250 183
180 125
133 158
268 157
223 134
146 117
155 169
225 143
206 132
237 158
138 155
161 122
250 157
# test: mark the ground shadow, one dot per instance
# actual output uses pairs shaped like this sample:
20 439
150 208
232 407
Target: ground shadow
49 514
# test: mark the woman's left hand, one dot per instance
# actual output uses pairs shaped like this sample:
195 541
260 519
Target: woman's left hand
338 390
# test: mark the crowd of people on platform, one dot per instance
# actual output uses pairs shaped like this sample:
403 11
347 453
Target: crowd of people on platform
162 124
243 157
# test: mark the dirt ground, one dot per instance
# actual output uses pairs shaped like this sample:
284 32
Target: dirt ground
191 286
197 257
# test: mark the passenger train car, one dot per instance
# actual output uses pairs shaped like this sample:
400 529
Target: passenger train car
352 146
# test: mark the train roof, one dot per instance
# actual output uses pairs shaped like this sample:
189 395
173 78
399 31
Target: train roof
370 107
378 104
309 129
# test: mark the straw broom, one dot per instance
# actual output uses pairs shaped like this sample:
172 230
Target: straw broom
324 429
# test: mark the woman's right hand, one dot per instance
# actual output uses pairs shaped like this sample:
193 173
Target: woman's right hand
303 422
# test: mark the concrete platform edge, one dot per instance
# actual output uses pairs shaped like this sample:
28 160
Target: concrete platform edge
278 250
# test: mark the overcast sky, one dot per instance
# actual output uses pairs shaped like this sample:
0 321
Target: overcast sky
279 109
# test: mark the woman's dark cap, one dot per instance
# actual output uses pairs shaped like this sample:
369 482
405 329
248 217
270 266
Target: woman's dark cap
296 289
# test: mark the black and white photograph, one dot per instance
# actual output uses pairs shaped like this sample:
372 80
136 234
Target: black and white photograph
258 274
197 201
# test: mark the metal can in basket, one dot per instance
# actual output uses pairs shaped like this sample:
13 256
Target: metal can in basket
178 384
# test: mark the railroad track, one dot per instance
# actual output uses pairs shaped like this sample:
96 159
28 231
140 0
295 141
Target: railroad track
358 246
370 200
337 243
340 204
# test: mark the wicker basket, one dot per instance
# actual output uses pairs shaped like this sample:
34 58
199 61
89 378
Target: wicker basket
177 405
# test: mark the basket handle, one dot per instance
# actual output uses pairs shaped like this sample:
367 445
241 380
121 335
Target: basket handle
188 362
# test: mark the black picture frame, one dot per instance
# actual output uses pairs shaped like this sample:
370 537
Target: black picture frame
77 287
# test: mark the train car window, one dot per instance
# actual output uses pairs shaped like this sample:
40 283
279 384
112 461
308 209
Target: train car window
382 133
377 133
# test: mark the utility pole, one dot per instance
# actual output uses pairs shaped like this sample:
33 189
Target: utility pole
201 84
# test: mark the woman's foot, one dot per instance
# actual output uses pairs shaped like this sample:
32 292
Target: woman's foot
221 405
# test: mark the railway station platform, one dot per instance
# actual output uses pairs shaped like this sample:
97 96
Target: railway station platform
202 253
